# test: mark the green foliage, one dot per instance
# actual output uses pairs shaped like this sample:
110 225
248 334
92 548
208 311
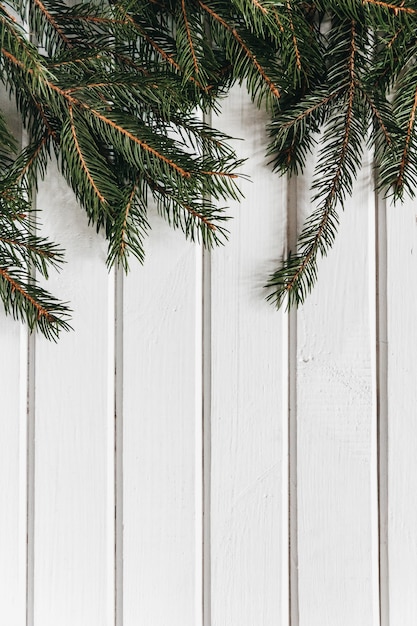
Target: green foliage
111 89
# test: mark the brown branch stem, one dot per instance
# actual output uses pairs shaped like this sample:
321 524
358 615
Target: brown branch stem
328 204
15 286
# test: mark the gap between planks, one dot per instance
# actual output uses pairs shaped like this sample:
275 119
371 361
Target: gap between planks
204 341
292 450
199 503
115 447
206 435
28 450
381 343
27 465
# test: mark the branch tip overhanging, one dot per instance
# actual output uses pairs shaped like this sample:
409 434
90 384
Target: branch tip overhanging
330 198
41 311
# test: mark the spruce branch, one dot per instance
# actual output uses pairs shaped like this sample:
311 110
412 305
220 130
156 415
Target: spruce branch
26 300
111 92
22 250
260 80
128 228
399 167
293 131
189 37
338 163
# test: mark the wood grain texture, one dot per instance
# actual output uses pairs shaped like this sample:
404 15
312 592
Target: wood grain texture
402 403
249 396
13 460
336 429
162 418
74 495
13 449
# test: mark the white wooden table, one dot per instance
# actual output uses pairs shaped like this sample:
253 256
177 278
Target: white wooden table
262 466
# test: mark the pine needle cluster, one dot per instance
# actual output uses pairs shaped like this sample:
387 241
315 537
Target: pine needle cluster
114 91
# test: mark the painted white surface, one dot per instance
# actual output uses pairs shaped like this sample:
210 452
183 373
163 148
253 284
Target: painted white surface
402 407
336 429
13 460
14 389
173 349
74 511
161 413
248 397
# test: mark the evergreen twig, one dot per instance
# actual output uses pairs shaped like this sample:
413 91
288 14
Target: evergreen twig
111 91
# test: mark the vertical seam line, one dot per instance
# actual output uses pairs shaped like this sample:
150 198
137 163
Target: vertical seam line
292 208
382 404
118 449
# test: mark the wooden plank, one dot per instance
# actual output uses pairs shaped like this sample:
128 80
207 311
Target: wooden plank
13 459
74 493
13 448
336 429
381 354
162 434
249 512
402 402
